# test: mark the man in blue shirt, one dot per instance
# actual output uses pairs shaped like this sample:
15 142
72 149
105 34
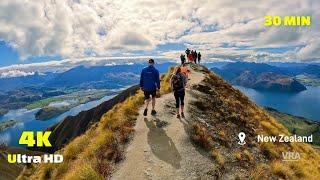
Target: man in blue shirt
150 84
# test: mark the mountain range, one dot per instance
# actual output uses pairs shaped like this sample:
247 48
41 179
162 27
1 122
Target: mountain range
18 92
268 77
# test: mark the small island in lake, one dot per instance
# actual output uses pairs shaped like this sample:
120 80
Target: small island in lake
6 124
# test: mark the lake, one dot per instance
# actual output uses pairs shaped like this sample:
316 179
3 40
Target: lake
305 103
27 121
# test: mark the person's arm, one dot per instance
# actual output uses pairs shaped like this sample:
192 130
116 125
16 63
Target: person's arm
158 79
141 80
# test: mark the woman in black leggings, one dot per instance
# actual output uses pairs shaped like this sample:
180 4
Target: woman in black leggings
178 83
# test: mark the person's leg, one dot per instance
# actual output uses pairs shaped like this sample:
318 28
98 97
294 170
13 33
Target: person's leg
146 102
153 102
176 96
147 98
182 95
153 112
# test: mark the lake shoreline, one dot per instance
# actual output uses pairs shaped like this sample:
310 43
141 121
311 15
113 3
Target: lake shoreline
26 118
303 104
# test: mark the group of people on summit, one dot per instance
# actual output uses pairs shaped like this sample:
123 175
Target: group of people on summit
150 83
192 56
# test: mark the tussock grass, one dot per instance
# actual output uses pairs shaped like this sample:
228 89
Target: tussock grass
238 155
92 155
165 81
248 156
230 111
215 153
281 170
260 172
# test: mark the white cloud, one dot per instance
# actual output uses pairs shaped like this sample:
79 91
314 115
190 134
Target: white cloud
66 64
311 50
15 73
77 28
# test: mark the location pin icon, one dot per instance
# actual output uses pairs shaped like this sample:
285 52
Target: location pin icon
242 136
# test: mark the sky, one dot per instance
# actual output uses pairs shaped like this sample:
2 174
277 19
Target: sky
54 32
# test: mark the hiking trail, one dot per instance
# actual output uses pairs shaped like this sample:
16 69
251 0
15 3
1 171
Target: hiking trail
161 147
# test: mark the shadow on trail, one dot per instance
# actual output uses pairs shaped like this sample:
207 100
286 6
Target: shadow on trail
161 145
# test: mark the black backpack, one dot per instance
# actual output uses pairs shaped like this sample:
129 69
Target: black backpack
177 82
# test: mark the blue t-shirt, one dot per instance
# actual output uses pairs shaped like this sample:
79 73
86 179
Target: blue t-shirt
149 79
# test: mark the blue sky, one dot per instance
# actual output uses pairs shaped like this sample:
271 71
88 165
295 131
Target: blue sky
8 55
45 30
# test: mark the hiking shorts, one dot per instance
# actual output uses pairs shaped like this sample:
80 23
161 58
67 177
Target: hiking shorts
179 96
148 93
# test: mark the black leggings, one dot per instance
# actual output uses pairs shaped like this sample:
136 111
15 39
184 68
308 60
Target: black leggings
179 96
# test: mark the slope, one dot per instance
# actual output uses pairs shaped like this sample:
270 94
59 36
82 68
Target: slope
220 112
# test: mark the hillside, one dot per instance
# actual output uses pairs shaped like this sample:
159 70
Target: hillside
62 133
221 112
297 125
11 171
204 145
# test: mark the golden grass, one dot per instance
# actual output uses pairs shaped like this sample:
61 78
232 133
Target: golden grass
261 172
281 170
248 156
165 81
215 153
308 167
238 155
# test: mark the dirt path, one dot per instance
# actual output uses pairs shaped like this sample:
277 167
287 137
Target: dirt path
161 148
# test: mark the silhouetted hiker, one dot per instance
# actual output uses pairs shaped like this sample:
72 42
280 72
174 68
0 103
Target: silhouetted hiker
178 83
195 56
183 58
190 57
199 57
187 52
150 84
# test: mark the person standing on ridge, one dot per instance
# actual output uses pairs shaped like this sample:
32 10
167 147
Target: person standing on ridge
190 57
178 83
187 52
150 84
182 58
195 56
199 57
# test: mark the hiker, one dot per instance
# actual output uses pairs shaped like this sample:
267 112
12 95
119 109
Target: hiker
190 57
178 82
199 57
187 52
150 85
183 58
195 56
